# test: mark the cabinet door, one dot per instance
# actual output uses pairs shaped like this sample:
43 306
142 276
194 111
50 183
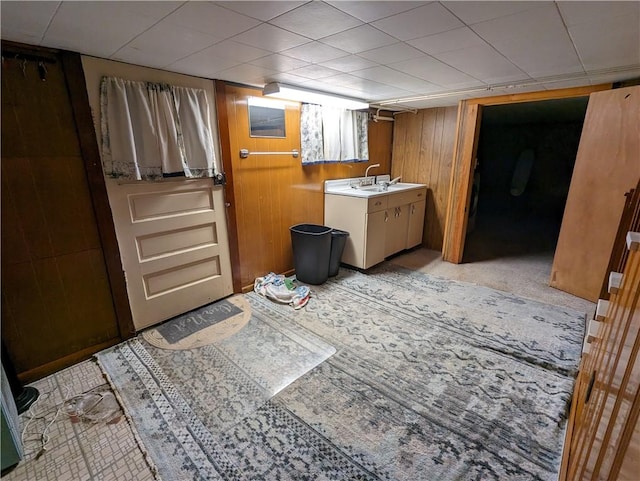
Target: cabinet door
397 226
375 240
416 223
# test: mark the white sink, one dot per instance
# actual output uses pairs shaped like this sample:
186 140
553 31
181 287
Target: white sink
351 188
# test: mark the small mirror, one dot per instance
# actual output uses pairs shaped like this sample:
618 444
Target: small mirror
266 118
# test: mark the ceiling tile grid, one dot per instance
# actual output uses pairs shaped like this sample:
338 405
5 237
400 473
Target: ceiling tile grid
375 50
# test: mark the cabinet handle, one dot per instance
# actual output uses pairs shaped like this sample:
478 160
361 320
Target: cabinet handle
386 216
378 203
420 195
413 209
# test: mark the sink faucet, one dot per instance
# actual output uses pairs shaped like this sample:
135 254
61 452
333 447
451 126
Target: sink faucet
367 180
366 172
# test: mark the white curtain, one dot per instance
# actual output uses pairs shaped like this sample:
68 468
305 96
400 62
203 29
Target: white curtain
331 134
151 131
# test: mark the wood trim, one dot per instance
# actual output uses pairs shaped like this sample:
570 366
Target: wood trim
540 95
74 77
54 366
469 118
463 159
230 201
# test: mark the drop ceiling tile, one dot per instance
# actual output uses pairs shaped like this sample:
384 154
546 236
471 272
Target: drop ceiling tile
362 85
212 19
145 58
349 63
315 52
436 72
474 11
514 35
388 76
427 20
246 73
316 20
609 43
576 13
446 41
279 63
359 39
79 26
287 78
327 86
261 10
483 63
532 23
370 11
236 51
165 43
26 21
388 93
205 63
396 52
315 72
273 38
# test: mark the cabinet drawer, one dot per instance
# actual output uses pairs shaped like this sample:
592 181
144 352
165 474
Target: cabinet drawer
407 197
377 203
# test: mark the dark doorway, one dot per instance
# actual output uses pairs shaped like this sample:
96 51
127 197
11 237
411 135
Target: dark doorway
526 154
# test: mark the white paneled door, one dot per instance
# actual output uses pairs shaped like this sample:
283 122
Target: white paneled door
174 246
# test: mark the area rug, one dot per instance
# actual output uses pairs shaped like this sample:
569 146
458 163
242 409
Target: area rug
432 380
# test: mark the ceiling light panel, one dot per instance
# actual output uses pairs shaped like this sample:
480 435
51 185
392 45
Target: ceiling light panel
286 92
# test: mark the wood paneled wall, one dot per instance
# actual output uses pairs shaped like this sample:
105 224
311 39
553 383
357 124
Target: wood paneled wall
270 193
57 299
422 153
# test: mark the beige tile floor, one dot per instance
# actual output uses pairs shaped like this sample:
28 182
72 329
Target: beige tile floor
76 451
103 452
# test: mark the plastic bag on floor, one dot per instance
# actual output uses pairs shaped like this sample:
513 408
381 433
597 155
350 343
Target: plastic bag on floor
96 406
282 289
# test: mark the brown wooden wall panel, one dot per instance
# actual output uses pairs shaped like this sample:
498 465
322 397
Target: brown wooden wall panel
422 153
57 305
270 193
607 165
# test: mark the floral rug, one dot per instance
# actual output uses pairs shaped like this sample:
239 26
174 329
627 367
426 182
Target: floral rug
431 380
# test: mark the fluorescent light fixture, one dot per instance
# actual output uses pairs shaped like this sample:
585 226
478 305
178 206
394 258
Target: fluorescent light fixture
287 92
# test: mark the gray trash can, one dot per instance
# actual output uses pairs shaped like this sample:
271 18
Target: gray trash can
338 241
311 246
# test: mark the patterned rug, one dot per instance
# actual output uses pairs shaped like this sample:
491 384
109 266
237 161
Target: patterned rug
432 380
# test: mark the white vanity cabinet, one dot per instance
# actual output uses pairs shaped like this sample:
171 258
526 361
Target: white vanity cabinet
379 224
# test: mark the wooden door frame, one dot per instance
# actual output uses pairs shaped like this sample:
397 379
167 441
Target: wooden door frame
77 88
463 164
